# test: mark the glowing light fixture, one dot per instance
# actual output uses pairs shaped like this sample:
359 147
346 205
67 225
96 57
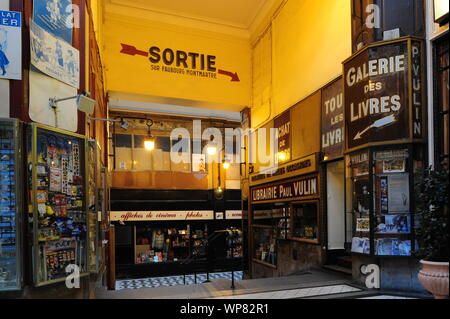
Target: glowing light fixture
282 156
226 164
149 141
211 149
441 11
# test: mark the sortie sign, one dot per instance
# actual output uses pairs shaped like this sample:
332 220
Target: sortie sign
181 62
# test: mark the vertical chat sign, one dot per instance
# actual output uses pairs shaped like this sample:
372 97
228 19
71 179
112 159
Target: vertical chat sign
10 45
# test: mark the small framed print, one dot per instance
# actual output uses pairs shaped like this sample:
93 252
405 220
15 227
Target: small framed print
41 196
394 166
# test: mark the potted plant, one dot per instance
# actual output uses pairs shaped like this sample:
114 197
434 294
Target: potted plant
433 232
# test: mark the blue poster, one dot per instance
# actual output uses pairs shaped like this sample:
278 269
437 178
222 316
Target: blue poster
54 57
10 45
55 17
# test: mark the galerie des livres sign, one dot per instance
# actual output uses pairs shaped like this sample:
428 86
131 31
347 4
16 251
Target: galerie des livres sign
332 120
377 98
300 188
181 62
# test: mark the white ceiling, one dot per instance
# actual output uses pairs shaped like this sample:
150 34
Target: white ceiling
232 13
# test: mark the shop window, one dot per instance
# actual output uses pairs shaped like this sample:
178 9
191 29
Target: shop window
154 244
270 223
442 101
305 224
265 245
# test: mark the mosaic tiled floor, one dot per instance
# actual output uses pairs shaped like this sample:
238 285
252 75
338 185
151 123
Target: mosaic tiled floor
173 280
298 293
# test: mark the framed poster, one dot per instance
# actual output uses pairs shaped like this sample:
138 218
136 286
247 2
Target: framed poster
54 56
10 45
363 225
398 190
199 163
55 17
394 166
394 224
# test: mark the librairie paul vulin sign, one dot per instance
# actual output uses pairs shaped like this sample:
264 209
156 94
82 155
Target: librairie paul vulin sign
181 62
380 105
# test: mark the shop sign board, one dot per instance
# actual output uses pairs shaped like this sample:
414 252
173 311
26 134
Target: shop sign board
54 57
10 45
297 189
139 216
332 141
302 166
283 125
382 102
233 214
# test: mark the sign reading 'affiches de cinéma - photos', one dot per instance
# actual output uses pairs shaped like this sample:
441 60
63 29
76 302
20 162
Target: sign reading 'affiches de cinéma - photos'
378 96
10 45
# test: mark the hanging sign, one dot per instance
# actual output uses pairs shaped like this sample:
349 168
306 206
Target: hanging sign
283 125
10 45
54 57
297 189
377 98
332 121
160 215
181 62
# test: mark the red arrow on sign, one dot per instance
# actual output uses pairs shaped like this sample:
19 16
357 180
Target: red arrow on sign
131 50
234 76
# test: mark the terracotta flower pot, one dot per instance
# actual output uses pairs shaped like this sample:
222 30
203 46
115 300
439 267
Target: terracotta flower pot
434 277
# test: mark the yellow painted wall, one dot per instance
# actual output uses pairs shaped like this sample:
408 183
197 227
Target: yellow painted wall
133 74
310 39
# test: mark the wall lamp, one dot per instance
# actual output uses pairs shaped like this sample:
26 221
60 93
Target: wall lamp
84 103
149 141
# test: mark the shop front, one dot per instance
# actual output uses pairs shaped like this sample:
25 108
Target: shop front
286 221
384 154
164 243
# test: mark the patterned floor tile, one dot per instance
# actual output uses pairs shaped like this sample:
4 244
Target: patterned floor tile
174 280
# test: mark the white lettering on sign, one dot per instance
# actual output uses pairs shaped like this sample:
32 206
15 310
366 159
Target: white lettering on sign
161 215
299 188
417 90
384 104
233 214
268 193
375 67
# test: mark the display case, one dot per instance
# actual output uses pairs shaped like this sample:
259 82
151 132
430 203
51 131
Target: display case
379 184
234 243
10 204
57 203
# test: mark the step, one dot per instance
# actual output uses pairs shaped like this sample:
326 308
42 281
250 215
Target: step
337 268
